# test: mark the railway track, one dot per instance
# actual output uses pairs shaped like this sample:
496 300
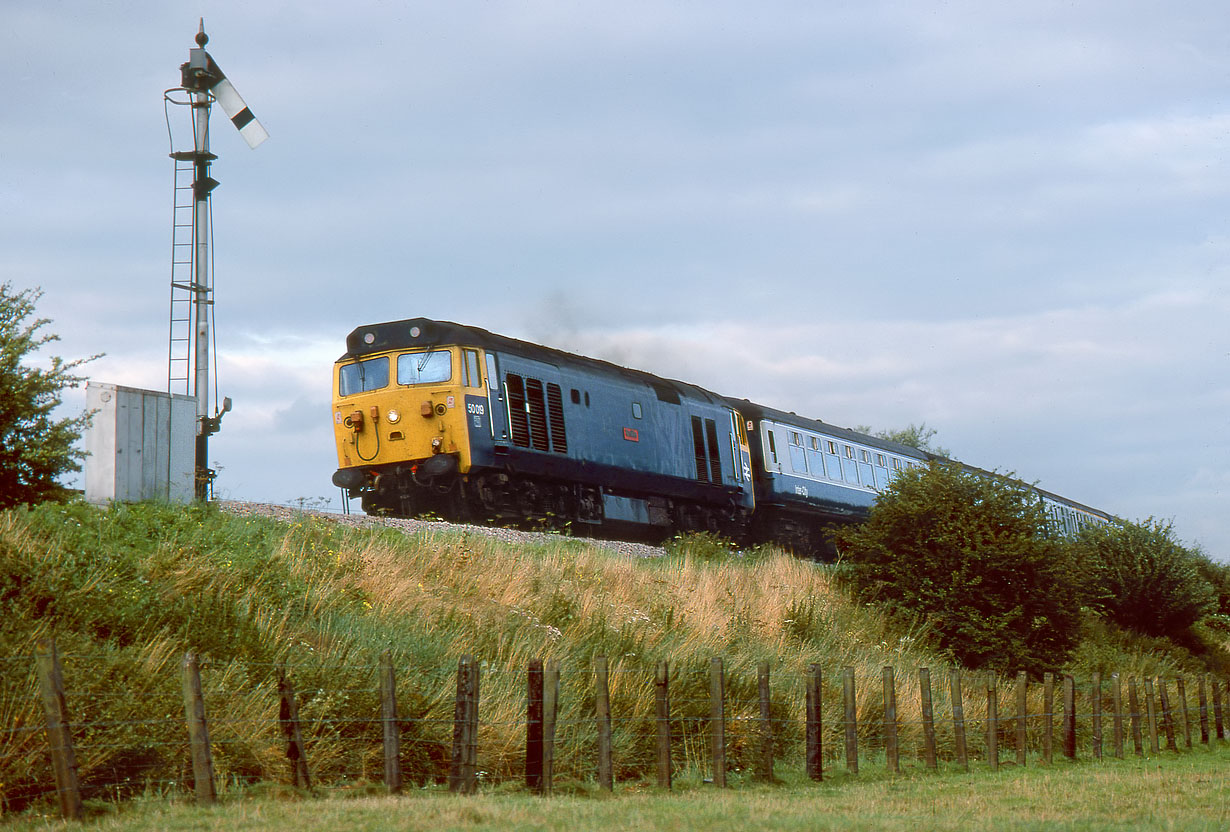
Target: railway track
511 536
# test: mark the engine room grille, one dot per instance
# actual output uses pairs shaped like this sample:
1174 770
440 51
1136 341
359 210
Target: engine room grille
555 411
715 459
698 450
536 414
519 423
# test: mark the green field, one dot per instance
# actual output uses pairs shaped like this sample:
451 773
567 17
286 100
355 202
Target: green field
1190 791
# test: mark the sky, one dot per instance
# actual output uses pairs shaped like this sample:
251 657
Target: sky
1008 221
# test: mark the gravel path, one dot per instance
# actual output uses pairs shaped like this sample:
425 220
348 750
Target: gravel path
290 513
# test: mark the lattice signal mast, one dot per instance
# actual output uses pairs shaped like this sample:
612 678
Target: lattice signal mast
192 281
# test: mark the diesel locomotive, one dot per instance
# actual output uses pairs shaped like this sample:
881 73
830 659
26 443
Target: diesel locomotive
437 417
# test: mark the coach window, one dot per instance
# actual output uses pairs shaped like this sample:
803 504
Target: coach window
363 376
864 469
831 460
881 471
798 459
815 459
849 468
424 367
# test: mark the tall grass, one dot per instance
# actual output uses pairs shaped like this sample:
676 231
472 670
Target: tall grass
127 590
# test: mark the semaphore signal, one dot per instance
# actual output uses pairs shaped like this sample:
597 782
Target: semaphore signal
202 82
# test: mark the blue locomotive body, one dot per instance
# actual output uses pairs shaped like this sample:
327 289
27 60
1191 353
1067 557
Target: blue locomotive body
547 435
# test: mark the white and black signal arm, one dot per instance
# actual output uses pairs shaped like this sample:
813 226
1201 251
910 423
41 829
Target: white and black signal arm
202 74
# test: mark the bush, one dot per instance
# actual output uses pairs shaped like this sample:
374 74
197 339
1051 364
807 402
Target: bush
1144 579
972 556
36 449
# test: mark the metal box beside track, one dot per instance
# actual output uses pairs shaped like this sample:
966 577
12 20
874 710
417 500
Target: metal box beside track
141 445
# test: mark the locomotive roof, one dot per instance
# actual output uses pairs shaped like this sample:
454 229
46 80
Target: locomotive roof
398 335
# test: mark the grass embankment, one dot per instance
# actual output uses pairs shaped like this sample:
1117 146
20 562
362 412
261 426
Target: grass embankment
127 590
1184 792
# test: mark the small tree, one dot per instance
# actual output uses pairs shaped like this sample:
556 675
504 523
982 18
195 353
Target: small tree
35 449
973 557
916 436
1146 580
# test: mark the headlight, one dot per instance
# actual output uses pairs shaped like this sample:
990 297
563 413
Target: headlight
392 415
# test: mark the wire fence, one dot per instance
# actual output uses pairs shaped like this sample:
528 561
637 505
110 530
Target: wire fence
79 727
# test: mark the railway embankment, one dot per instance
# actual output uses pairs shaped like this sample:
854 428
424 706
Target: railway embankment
258 592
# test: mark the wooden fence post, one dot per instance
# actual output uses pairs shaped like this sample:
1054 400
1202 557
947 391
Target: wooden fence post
288 716
533 726
602 708
851 718
1022 714
1134 706
815 724
463 764
992 725
1204 711
928 717
1217 714
1116 698
717 721
59 736
1151 713
1048 717
765 766
1181 688
550 711
890 721
662 699
1167 714
1069 717
198 733
958 717
1095 691
390 723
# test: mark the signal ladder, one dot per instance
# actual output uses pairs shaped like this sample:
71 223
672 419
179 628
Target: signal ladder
184 288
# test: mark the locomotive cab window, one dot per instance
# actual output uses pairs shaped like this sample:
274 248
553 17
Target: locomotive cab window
362 376
470 367
431 367
493 385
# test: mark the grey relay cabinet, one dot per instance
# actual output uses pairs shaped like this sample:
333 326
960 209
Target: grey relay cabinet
141 445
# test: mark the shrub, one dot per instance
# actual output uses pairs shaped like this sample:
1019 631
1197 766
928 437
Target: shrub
1144 579
970 555
36 448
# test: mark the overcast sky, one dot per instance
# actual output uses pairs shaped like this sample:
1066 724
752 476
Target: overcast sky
1005 220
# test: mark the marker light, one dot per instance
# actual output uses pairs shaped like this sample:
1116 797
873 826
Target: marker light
392 416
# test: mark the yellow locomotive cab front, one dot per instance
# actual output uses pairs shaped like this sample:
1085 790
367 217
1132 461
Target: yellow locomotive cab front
401 411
